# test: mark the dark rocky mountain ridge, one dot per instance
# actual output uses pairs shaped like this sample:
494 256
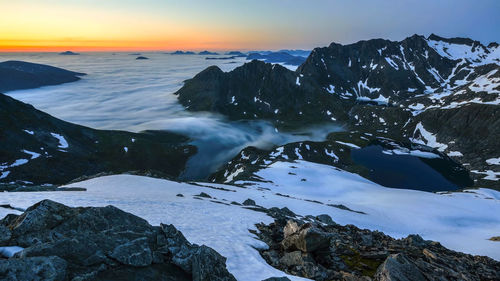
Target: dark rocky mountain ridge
40 149
444 93
17 75
277 57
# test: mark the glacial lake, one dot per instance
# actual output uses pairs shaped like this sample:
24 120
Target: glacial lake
409 171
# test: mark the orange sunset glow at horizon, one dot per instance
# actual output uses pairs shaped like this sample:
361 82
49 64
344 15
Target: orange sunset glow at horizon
168 25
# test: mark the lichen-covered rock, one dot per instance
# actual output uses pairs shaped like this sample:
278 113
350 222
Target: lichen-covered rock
398 268
296 247
306 238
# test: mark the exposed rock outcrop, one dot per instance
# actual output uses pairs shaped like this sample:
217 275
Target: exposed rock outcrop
105 243
327 251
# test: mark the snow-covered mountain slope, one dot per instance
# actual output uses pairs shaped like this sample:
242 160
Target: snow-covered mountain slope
460 221
441 92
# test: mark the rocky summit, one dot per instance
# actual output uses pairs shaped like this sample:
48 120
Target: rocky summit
319 249
15 75
39 149
439 92
56 242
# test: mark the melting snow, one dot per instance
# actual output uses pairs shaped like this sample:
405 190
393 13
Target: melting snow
331 154
455 154
429 139
4 174
331 89
490 175
19 162
392 63
9 251
380 99
417 153
348 144
62 141
457 51
234 174
297 153
493 161
34 155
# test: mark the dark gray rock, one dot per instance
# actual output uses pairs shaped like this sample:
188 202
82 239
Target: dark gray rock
398 268
134 253
249 202
306 238
105 243
326 219
5 234
35 268
277 279
209 265
204 195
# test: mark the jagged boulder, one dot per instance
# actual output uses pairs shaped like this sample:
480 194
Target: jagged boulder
105 243
398 268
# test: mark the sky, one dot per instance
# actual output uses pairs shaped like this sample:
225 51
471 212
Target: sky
114 25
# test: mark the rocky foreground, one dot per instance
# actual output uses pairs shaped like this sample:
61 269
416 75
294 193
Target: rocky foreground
51 241
319 249
105 243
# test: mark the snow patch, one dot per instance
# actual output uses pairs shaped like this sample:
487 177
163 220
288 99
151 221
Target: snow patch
429 139
62 141
455 154
10 251
493 161
348 144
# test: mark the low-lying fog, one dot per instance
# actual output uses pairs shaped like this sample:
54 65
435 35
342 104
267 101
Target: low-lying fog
122 93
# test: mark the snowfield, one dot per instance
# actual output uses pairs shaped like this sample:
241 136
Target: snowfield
460 221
